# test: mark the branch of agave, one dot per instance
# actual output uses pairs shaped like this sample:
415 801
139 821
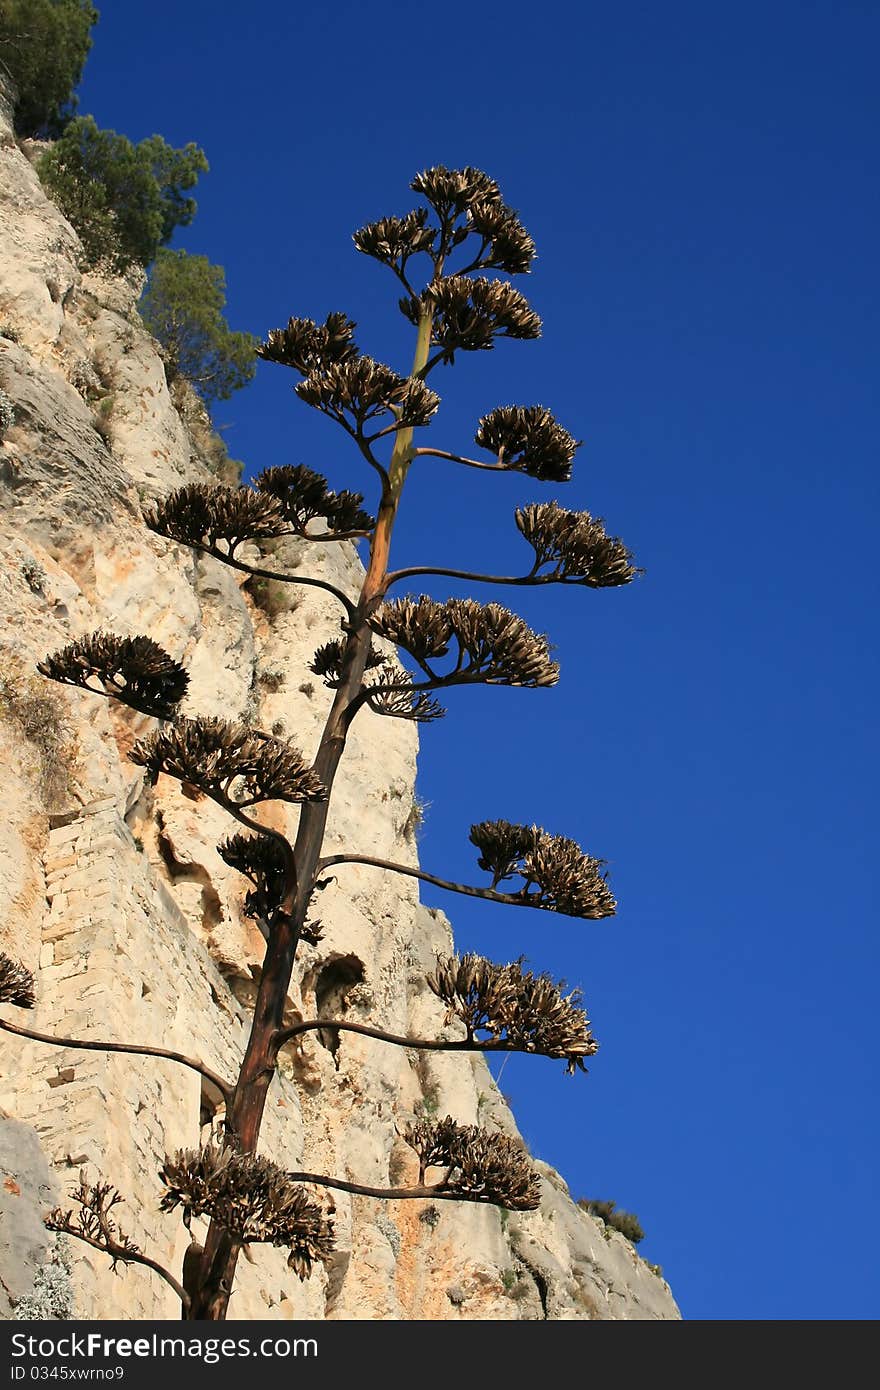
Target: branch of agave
86 1044
530 578
471 1043
428 451
523 899
122 1255
226 558
439 1192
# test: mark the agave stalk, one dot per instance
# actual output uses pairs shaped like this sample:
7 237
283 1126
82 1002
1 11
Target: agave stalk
258 1067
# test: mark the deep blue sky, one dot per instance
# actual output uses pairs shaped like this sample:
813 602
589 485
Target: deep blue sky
701 181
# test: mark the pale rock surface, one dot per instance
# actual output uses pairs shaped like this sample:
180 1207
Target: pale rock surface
115 892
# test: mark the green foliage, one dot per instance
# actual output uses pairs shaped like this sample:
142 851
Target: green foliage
623 1221
44 45
124 200
182 306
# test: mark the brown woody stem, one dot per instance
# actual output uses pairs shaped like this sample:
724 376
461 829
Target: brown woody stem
122 1256
512 899
439 1192
246 1110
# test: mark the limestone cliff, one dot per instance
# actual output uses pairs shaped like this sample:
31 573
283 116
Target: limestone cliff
114 892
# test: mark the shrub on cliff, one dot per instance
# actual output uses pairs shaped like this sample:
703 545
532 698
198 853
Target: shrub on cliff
43 46
124 200
182 306
626 1222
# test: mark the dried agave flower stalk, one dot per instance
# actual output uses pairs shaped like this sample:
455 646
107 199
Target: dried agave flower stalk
511 1005
557 875
575 545
479 1166
391 694
308 347
260 859
452 192
304 496
93 1222
364 389
250 1197
493 644
393 240
468 315
16 983
527 439
229 763
204 515
327 662
134 670
506 245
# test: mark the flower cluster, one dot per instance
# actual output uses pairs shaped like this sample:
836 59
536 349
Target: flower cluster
303 495
327 662
203 515
527 439
363 389
494 645
229 762
393 240
16 983
135 670
252 1198
93 1222
469 314
575 545
480 1166
309 347
510 1005
260 859
392 694
453 192
556 873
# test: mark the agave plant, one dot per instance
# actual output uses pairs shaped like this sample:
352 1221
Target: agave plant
393 654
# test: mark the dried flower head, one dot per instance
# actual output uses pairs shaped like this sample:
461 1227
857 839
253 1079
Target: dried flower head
203 515
252 1198
392 694
16 983
309 347
507 1004
556 873
304 495
229 762
470 314
364 389
422 626
506 245
93 1222
494 645
327 662
527 439
134 670
261 859
480 1167
575 545
393 240
452 192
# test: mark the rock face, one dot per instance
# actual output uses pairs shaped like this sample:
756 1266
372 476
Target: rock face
113 891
